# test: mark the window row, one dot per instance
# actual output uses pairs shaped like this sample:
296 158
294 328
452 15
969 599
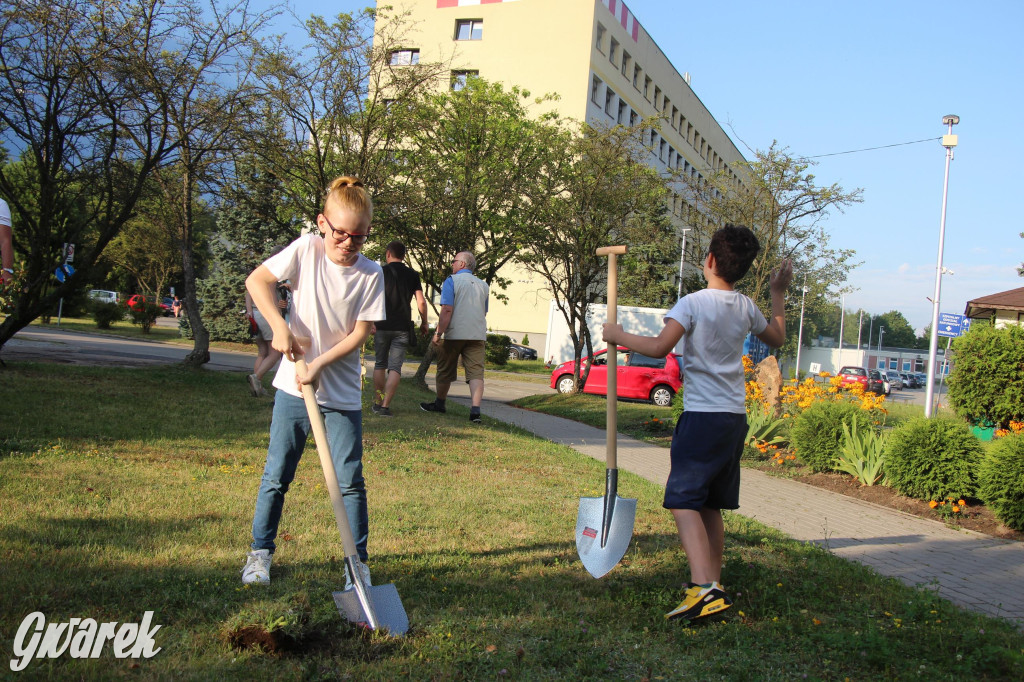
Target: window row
642 83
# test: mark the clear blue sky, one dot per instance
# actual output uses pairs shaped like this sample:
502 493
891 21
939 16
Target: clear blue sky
831 77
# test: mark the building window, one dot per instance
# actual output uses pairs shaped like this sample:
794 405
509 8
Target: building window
657 98
469 29
636 76
595 87
647 88
626 59
621 118
599 40
405 57
632 119
459 78
613 52
609 99
661 150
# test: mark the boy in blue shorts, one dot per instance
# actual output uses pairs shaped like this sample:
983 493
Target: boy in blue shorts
705 456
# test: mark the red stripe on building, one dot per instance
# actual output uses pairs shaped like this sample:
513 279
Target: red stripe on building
441 4
490 2
612 4
624 19
636 30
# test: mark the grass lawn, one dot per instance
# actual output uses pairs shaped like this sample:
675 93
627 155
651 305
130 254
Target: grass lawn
132 490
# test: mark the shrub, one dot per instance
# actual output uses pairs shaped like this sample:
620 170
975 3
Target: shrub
497 349
526 340
105 314
932 459
144 314
987 381
1001 480
817 433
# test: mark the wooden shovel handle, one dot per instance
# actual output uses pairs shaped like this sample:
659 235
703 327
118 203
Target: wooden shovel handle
611 415
316 421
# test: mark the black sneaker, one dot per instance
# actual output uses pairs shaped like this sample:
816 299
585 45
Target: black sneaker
384 411
432 407
375 408
475 417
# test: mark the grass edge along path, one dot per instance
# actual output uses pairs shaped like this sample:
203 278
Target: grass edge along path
132 490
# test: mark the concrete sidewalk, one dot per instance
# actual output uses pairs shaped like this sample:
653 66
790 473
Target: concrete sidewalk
972 570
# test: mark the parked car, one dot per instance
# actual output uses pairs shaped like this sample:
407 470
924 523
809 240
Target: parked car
639 377
517 351
877 384
850 375
103 296
922 379
895 379
909 380
166 302
165 305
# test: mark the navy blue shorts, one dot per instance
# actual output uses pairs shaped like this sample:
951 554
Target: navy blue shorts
706 450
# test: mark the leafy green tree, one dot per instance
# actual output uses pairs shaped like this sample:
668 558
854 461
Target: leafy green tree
776 196
85 138
476 178
200 73
898 332
606 194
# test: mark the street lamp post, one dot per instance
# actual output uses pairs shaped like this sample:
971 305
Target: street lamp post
800 334
881 330
949 142
682 259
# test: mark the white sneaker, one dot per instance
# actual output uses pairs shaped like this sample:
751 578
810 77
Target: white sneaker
257 567
364 574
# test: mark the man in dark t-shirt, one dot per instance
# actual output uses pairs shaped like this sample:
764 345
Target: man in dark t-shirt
391 336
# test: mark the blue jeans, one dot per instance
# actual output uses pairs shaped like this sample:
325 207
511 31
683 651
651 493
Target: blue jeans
288 431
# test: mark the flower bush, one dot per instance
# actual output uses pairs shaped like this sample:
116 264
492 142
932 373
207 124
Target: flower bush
144 314
932 459
1001 480
817 433
949 508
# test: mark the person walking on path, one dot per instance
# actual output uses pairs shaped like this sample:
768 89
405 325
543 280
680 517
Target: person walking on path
266 355
337 294
704 477
6 245
463 328
392 336
176 307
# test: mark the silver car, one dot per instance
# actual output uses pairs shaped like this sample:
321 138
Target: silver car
895 380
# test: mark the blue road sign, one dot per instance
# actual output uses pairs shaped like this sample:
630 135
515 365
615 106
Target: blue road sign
63 272
951 325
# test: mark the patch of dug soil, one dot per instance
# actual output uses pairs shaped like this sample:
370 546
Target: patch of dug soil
978 517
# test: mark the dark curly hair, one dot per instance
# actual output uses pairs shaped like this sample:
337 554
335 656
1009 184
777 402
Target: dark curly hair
735 247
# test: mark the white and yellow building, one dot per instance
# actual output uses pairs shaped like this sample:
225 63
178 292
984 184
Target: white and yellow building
605 68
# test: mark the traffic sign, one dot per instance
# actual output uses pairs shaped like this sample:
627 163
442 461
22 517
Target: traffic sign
952 325
63 272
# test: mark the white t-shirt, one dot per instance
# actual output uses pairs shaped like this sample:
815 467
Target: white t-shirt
327 301
716 322
5 213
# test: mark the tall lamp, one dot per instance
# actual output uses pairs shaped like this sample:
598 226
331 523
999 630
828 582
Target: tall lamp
800 334
949 142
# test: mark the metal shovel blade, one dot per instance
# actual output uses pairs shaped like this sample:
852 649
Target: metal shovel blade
600 558
384 602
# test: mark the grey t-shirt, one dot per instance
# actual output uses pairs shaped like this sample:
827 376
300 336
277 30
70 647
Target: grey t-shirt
716 322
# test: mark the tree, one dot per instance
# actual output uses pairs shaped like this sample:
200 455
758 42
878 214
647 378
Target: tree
777 197
606 194
475 178
198 72
898 332
338 105
86 142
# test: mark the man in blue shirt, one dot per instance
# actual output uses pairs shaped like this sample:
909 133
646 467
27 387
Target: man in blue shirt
463 328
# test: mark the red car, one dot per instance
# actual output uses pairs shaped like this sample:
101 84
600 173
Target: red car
853 375
639 377
165 308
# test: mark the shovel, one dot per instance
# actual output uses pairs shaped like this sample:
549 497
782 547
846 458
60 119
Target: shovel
377 606
604 525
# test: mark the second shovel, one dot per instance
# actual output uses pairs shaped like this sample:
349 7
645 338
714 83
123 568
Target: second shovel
604 525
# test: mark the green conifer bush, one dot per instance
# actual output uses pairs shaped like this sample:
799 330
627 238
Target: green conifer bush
1001 480
817 433
932 459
